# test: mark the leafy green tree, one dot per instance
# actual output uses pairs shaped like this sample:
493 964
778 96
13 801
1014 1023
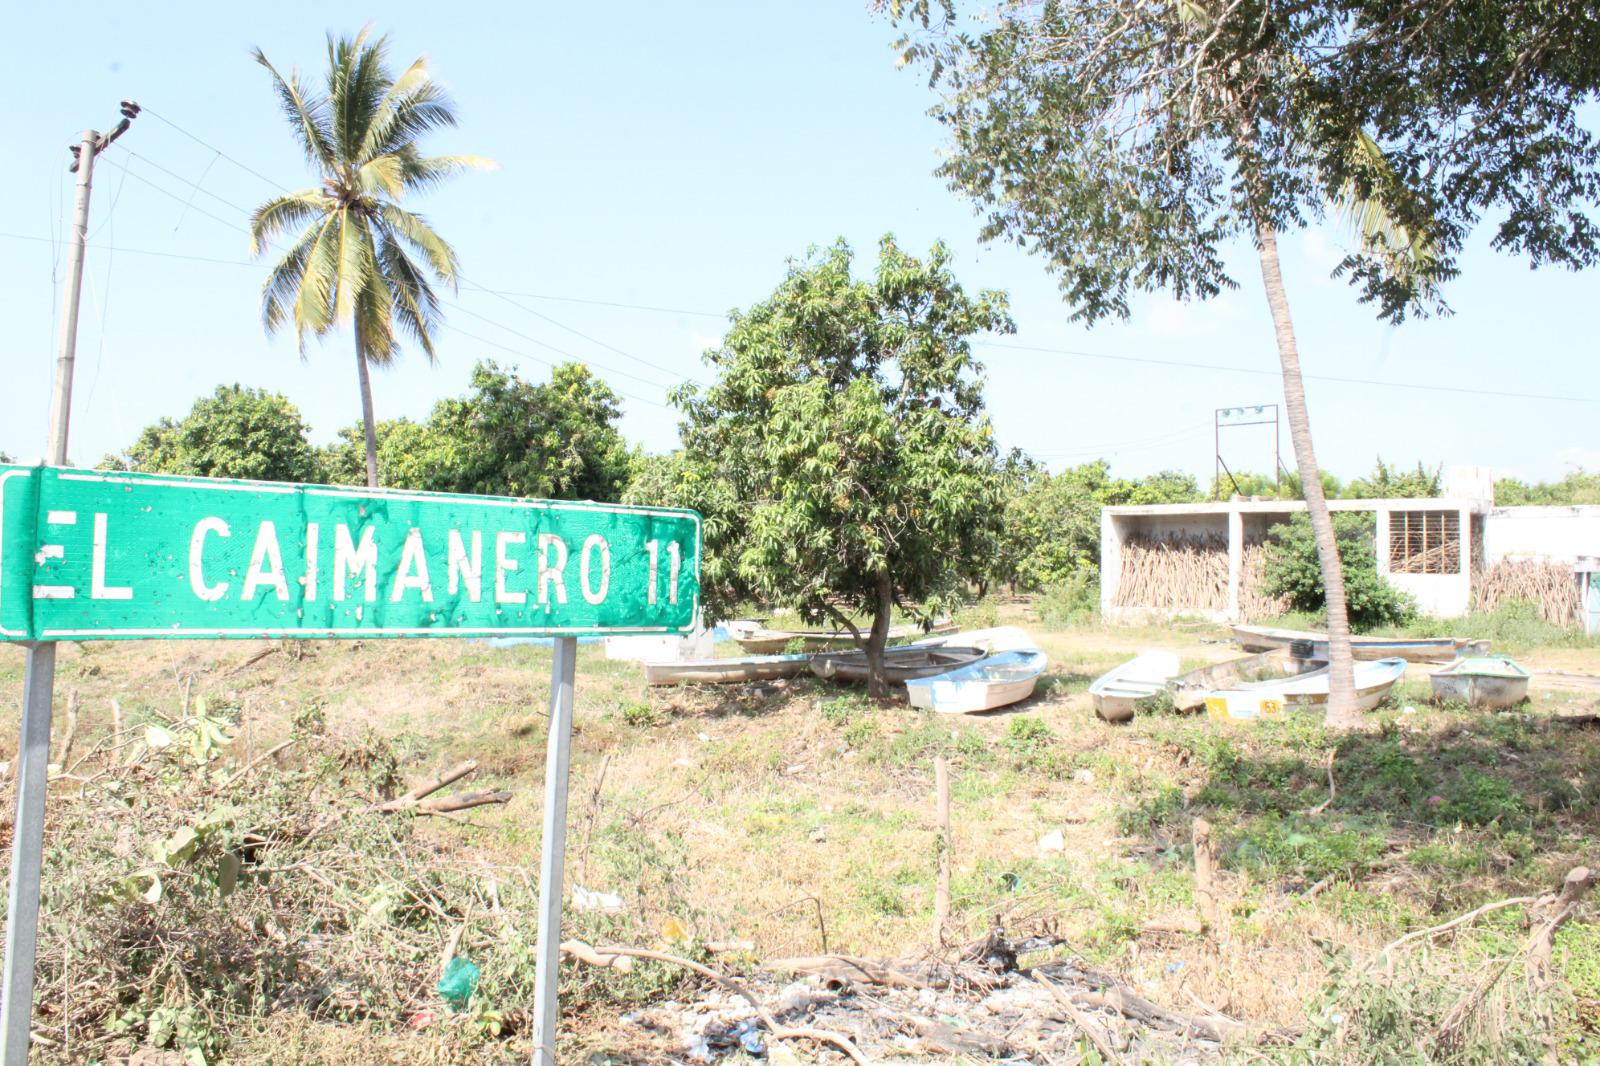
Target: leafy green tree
1287 487
1128 142
408 452
655 480
1293 571
352 260
511 437
1052 522
1391 482
842 459
1578 487
236 432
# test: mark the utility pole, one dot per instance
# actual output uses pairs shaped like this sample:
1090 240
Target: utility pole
38 686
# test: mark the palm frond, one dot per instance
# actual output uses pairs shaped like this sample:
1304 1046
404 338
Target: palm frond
283 283
382 175
421 172
307 114
283 212
358 265
375 325
357 81
401 94
1408 253
313 305
416 232
416 307
428 107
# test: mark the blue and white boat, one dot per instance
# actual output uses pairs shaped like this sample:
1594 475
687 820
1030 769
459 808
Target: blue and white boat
997 680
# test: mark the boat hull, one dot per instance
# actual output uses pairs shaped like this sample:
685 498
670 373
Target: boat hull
1484 684
899 664
1309 691
997 681
775 641
1118 692
1411 649
1189 690
725 671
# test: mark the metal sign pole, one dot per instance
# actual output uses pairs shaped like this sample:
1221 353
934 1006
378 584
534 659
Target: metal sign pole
557 759
33 748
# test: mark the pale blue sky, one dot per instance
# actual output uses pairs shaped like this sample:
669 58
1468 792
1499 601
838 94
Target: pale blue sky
674 156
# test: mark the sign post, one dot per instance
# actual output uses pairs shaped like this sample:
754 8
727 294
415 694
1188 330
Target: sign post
95 555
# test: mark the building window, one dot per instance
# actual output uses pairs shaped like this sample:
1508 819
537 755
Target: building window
1425 542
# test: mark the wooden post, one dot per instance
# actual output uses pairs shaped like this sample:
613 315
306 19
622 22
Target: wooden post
1205 872
941 891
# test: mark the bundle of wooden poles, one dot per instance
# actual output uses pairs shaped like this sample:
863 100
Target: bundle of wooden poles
1440 559
1189 571
1550 587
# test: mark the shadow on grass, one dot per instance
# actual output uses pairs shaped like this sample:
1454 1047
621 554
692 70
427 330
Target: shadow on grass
1462 800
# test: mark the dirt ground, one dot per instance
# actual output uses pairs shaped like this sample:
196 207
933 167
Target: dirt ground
745 824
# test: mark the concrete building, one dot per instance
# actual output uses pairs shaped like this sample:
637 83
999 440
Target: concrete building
1432 548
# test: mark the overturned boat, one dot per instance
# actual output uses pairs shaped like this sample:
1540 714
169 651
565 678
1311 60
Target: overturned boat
1189 690
1117 692
1308 645
995 681
899 664
762 641
725 671
1484 683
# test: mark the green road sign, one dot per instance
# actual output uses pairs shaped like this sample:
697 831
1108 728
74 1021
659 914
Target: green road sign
90 555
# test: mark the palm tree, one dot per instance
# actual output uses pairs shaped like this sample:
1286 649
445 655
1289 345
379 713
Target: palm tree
356 258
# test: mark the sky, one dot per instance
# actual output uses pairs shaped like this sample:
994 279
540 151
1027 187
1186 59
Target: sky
674 158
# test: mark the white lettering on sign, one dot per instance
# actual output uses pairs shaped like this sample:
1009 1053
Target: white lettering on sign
504 565
350 561
674 565
594 541
98 589
309 579
412 573
266 565
197 573
466 570
552 575
54 551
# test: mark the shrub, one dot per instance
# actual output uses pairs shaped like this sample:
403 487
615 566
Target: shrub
1074 601
1294 572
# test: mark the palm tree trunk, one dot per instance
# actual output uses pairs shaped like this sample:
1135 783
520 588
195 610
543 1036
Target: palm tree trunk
367 422
1342 712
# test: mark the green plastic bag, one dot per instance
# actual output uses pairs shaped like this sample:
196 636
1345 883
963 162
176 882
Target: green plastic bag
460 978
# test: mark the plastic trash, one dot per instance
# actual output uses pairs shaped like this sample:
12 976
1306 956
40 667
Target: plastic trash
750 1038
586 900
1053 841
459 980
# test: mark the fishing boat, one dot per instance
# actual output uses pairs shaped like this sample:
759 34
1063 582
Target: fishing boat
761 641
1189 690
725 671
998 680
1484 682
1269 699
899 664
1308 645
995 640
1117 692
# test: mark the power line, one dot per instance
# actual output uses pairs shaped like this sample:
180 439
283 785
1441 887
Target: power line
124 250
608 303
1496 393
214 148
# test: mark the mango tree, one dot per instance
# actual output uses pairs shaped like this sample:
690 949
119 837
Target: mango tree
842 459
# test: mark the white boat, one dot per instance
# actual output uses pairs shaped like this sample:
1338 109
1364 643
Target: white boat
1117 692
725 671
995 640
1309 645
1190 690
899 664
1484 683
1000 680
762 641
1269 699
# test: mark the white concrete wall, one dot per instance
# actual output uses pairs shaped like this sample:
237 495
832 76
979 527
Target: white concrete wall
1560 534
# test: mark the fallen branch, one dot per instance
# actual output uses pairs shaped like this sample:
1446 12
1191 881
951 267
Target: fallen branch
244 771
779 1032
848 968
257 657
1333 789
1090 1028
462 802
71 730
1445 927
1205 872
1130 1005
1557 908
428 788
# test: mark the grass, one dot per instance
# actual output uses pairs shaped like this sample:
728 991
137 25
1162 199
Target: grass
736 813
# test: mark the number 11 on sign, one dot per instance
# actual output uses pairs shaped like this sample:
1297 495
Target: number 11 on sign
674 564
